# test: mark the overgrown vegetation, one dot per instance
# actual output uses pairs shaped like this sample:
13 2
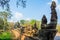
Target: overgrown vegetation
58 28
5 35
6 26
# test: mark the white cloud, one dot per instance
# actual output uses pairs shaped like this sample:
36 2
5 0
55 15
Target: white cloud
28 19
49 3
16 17
58 7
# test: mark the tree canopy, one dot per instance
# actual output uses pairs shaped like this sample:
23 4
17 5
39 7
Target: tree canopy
5 3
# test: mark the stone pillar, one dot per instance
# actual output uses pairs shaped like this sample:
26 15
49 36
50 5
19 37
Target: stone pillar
48 31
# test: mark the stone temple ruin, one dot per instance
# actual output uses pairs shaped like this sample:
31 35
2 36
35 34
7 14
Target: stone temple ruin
50 29
47 31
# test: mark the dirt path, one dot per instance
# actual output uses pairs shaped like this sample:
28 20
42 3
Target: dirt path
16 33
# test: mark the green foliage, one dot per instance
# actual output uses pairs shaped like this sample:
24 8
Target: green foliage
5 4
32 21
5 16
1 23
5 35
38 23
22 21
58 28
21 2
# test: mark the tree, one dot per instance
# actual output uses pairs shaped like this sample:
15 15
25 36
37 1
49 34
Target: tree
17 25
22 21
1 23
38 23
5 16
32 22
5 3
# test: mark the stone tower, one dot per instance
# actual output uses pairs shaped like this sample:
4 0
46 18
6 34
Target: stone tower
49 30
44 22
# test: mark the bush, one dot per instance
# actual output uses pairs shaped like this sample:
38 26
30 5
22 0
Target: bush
5 36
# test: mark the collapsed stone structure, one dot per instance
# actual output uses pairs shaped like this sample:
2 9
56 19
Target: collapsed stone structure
47 31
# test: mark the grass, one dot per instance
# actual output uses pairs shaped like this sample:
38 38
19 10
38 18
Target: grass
5 36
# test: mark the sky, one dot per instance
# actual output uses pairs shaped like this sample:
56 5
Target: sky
35 9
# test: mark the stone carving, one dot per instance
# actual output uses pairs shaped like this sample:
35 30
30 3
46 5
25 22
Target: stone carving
44 22
48 31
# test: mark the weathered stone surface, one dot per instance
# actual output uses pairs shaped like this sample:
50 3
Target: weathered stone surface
48 31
